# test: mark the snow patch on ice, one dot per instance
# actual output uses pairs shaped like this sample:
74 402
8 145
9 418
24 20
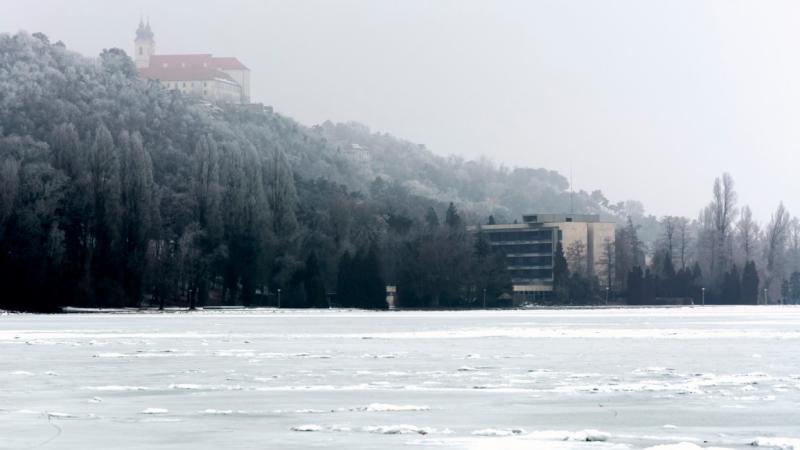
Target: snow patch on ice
118 388
498 432
217 412
60 415
781 443
375 429
307 428
387 407
684 446
186 386
398 429
154 411
109 355
589 436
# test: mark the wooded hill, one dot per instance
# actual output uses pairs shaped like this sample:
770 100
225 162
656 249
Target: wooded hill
115 191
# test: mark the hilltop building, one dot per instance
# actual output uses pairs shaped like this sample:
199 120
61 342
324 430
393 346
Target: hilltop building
530 248
217 79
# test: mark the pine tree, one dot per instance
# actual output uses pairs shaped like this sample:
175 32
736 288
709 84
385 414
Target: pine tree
482 246
750 284
636 288
452 219
344 281
431 219
104 176
312 282
731 287
794 288
374 288
137 206
560 275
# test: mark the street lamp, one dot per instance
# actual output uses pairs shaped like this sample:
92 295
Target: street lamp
607 289
484 298
765 297
279 298
704 296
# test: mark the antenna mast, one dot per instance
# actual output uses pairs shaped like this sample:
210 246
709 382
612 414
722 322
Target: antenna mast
571 192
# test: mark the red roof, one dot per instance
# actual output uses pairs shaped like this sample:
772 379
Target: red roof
228 63
184 73
197 60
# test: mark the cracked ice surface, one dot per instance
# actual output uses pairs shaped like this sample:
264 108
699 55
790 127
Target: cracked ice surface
662 378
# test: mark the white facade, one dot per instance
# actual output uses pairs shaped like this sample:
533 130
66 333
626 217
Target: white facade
215 90
241 76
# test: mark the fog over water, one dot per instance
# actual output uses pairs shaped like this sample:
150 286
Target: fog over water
644 100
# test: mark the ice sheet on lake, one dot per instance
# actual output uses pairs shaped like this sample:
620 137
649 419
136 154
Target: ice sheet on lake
682 377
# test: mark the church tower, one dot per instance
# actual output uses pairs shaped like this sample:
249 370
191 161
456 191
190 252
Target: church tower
144 45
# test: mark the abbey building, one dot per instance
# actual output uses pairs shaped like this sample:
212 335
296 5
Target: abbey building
214 78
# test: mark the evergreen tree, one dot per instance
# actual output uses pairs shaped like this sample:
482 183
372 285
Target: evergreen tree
794 288
750 284
636 288
731 287
312 282
431 219
560 275
374 288
105 184
482 246
345 295
452 219
137 205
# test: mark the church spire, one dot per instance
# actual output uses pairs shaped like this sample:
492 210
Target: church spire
144 44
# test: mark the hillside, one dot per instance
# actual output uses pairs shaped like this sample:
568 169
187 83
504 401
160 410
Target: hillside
117 191
479 186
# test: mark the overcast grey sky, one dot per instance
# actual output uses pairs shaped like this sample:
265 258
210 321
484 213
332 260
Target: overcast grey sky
647 100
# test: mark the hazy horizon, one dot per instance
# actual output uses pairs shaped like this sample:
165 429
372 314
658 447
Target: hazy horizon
643 100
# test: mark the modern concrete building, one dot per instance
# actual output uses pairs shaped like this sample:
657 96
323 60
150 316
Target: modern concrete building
218 79
530 248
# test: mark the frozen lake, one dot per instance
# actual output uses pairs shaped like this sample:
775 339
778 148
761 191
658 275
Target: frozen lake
696 377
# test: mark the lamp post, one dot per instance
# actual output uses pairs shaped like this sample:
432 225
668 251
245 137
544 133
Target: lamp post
765 297
484 298
704 296
279 298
